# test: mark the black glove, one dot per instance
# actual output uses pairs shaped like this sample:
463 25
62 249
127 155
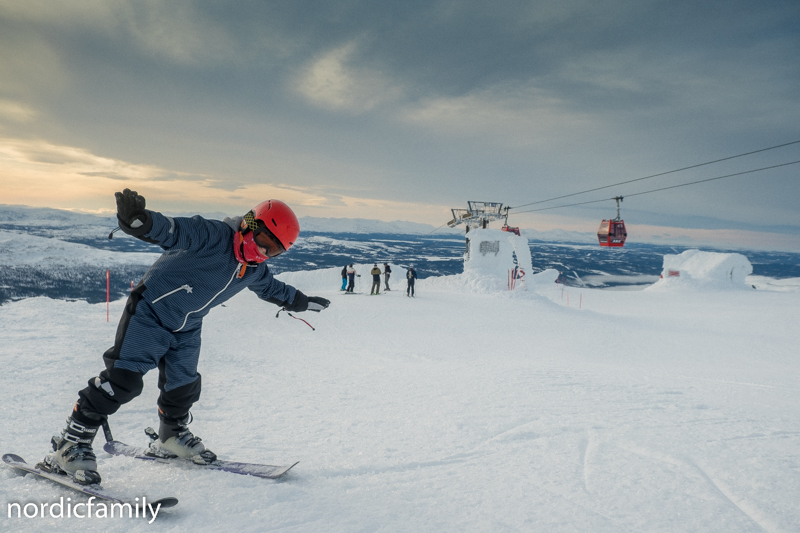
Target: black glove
131 214
307 303
130 206
315 303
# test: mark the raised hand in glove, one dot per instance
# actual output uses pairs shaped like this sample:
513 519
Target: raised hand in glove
131 214
302 303
130 208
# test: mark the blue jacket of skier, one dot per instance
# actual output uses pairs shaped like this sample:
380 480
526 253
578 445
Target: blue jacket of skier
199 270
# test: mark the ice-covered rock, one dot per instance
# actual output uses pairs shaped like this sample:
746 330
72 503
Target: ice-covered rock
694 269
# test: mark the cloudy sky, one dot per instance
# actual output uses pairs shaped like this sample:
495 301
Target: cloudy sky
403 110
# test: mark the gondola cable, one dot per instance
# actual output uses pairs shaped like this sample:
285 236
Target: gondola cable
655 176
659 189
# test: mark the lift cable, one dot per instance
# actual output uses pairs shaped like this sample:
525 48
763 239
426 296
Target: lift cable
436 229
657 175
662 188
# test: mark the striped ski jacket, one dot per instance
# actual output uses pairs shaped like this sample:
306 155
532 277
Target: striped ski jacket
198 270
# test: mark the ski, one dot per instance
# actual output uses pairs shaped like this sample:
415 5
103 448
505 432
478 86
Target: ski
247 469
95 490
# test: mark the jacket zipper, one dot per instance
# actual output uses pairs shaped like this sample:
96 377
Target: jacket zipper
186 288
186 318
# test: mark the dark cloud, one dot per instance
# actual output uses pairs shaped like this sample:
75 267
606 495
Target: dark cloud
424 101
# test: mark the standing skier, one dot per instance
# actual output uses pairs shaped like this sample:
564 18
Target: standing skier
205 262
387 270
344 277
376 279
351 278
411 276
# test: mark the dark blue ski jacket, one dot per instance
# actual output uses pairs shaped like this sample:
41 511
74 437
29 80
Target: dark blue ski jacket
198 270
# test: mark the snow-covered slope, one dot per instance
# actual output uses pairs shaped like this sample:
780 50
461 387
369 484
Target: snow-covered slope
19 249
459 410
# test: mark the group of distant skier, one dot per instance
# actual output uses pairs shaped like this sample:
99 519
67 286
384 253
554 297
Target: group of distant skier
349 276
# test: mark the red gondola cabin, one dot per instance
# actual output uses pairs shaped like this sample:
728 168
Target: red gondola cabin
612 233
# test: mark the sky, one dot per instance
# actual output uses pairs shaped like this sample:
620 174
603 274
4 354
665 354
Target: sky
404 110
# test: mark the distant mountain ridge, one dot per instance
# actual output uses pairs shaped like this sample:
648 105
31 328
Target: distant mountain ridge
60 220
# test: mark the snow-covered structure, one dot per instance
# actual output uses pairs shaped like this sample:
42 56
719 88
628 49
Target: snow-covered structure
694 269
500 259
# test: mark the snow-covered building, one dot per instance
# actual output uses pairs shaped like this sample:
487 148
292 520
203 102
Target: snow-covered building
500 257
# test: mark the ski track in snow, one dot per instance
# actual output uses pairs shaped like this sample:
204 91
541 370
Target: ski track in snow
736 502
587 449
743 505
455 411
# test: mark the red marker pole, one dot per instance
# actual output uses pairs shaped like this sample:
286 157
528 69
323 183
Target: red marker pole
108 292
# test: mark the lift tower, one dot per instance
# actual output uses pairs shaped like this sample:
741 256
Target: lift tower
478 215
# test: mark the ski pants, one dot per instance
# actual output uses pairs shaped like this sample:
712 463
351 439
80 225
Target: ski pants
376 287
142 344
386 280
352 283
344 283
410 289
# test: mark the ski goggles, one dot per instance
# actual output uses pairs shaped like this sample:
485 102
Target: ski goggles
265 239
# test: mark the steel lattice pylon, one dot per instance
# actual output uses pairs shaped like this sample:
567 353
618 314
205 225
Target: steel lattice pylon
479 214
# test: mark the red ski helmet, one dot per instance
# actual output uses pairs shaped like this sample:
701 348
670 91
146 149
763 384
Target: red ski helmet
271 220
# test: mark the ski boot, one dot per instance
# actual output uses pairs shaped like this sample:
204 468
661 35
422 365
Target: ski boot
72 454
175 440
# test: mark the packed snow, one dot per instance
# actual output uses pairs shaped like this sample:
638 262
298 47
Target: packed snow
694 268
467 408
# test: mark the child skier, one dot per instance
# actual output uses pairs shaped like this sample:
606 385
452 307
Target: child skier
205 262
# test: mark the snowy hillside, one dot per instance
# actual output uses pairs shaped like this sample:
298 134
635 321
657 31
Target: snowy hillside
551 409
19 249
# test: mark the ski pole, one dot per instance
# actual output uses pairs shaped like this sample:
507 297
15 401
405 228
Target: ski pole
296 318
107 431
